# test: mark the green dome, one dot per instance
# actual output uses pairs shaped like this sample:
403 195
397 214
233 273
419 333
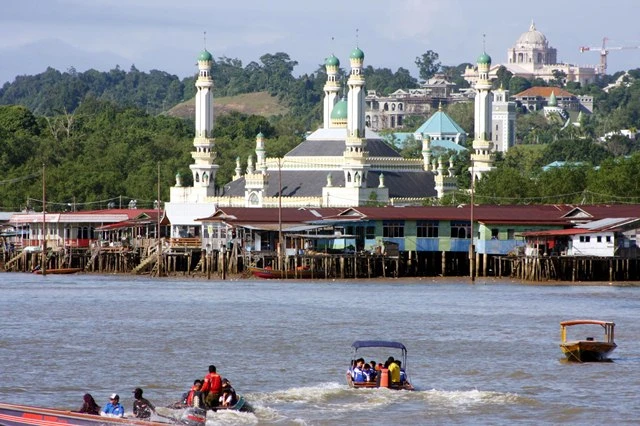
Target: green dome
339 111
357 54
205 56
260 135
332 61
553 101
484 59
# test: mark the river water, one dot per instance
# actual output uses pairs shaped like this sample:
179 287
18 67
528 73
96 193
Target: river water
483 353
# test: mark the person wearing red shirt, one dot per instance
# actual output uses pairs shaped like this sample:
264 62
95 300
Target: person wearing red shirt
212 388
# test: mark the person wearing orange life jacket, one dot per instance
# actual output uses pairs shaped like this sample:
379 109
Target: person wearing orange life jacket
194 397
212 388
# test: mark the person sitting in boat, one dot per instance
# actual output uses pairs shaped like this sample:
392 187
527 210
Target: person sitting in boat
357 374
113 408
394 370
142 408
89 405
194 397
369 373
228 397
403 374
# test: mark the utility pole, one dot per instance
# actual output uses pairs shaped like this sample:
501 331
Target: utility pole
159 249
280 254
43 265
471 248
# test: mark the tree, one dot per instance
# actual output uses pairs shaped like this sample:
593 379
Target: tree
428 64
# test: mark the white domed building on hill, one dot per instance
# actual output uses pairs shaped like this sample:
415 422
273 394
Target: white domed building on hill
532 57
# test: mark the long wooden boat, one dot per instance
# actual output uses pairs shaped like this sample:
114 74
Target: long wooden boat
59 271
269 273
383 378
21 415
588 349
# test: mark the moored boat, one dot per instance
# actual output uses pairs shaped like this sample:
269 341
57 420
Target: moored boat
58 271
269 273
20 415
588 349
383 376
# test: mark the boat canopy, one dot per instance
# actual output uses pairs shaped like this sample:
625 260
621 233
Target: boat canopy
377 344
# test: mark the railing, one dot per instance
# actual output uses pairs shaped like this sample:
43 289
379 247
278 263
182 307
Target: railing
185 242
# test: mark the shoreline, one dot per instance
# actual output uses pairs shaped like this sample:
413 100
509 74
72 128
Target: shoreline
459 280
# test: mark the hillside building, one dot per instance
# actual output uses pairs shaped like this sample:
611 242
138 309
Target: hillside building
532 57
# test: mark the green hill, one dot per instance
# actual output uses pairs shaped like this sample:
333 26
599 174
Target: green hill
259 103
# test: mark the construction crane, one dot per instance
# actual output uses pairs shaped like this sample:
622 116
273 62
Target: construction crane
604 51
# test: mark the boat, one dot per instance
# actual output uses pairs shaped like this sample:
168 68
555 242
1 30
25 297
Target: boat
20 415
58 271
270 273
383 379
589 349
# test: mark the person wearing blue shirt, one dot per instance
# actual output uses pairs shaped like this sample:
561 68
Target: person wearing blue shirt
113 408
357 374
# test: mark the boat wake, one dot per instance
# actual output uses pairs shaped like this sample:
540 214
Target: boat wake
334 399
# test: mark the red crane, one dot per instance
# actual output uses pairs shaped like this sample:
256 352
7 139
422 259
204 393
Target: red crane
604 51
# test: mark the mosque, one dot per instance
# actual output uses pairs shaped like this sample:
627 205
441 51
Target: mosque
341 164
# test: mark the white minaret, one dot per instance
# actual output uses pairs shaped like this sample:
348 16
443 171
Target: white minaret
204 168
261 157
331 88
483 155
355 155
355 98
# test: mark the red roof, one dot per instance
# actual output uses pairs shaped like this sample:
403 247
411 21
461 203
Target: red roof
544 92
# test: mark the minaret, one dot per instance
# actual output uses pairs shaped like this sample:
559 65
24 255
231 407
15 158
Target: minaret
355 154
261 158
204 168
482 156
426 152
331 88
355 98
257 178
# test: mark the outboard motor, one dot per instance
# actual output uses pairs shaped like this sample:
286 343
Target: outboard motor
193 416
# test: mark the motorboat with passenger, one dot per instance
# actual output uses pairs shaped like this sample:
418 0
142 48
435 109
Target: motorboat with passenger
382 375
25 415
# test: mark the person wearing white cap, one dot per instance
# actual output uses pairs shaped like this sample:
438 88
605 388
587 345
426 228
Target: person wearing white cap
113 408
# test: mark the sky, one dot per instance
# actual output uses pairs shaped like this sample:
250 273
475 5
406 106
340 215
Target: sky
169 35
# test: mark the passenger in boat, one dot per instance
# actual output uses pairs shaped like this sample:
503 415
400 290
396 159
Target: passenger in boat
212 388
142 408
228 397
89 405
369 373
394 370
113 408
194 397
403 374
357 374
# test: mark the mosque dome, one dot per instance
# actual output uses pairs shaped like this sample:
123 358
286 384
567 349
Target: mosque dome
205 56
340 110
532 37
332 61
484 58
357 54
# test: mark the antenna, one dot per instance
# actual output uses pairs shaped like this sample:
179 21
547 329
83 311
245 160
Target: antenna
205 40
357 30
484 43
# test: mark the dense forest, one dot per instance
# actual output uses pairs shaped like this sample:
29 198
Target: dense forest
102 136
